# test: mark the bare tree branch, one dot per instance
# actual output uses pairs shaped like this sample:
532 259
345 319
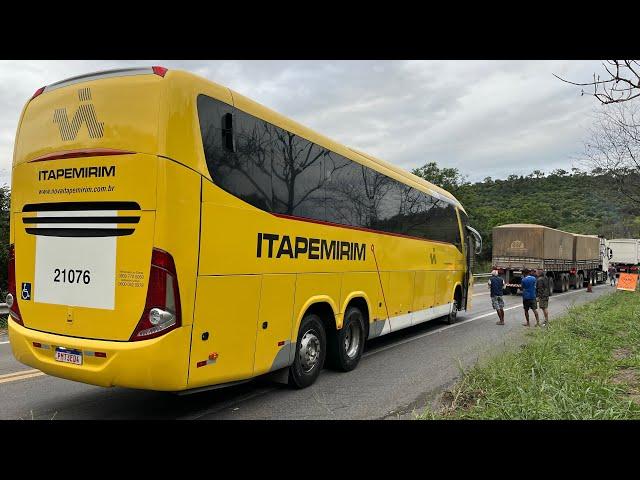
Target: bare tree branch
621 85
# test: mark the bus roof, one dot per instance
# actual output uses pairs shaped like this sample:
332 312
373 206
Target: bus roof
177 78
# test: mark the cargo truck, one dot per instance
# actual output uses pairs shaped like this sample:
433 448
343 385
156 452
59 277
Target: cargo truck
570 260
625 254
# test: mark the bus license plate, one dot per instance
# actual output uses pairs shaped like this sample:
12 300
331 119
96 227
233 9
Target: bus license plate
69 356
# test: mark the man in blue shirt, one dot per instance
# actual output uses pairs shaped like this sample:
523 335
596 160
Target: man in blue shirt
496 287
529 296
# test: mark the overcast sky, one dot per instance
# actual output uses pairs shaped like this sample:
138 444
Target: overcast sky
487 118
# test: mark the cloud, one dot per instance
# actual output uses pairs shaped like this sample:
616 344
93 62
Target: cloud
487 118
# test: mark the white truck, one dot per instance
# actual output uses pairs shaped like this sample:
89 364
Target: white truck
624 254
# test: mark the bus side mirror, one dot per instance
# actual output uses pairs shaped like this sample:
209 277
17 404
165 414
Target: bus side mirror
478 239
228 138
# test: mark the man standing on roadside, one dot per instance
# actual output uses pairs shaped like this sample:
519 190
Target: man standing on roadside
529 296
612 275
543 291
496 286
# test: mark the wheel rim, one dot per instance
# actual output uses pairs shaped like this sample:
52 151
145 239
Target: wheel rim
309 353
352 339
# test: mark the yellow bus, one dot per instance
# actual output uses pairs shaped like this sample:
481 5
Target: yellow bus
168 233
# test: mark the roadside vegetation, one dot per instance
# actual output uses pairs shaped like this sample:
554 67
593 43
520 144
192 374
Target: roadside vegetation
586 365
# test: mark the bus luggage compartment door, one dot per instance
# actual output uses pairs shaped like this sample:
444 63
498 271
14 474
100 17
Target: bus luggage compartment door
224 329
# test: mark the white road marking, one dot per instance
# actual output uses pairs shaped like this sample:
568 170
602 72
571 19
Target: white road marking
457 325
2 343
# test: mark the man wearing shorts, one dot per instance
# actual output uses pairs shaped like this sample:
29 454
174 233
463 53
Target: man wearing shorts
529 296
543 291
496 286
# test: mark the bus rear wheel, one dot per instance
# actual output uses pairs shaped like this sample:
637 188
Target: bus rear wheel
346 347
311 351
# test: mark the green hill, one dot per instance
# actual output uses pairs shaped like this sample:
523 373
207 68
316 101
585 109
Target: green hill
577 202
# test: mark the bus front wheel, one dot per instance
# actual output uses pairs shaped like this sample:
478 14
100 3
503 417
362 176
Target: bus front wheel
453 314
346 346
311 351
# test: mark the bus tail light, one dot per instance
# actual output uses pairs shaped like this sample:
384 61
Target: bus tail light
162 312
12 296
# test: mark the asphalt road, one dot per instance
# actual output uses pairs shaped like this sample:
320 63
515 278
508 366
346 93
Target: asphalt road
398 376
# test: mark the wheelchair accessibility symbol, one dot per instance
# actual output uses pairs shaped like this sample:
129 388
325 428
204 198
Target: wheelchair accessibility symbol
26 291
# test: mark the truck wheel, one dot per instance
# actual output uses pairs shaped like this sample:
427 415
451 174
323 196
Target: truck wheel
311 350
345 348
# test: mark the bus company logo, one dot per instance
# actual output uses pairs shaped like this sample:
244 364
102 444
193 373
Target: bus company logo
85 114
517 246
81 172
272 245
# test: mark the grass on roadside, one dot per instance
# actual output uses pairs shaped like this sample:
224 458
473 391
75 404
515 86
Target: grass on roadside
585 366
3 323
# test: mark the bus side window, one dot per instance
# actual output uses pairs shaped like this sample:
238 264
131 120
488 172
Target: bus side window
246 171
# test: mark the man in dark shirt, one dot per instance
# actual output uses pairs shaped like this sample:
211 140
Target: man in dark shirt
496 286
612 275
543 291
529 296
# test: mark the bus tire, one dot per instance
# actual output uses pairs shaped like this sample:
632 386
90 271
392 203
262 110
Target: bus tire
311 351
344 349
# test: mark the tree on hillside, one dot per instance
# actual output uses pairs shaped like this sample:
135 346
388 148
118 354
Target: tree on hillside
613 146
448 178
5 195
620 84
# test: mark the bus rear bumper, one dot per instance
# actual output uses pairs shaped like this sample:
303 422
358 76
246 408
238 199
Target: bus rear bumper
157 364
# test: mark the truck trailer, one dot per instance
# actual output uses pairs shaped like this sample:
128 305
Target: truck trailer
625 254
570 260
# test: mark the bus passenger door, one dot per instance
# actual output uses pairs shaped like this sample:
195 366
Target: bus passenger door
467 283
473 246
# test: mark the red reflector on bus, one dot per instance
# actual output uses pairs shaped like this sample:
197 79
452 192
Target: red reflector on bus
201 364
85 152
213 356
37 344
281 343
38 92
100 354
161 71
